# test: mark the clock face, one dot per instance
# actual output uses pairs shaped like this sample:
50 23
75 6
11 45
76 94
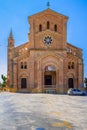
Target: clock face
48 40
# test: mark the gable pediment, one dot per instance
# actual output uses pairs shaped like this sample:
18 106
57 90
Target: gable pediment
48 12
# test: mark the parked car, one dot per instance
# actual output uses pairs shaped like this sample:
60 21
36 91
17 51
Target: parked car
85 92
75 91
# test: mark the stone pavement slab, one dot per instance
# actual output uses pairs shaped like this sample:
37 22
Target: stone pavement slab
20 111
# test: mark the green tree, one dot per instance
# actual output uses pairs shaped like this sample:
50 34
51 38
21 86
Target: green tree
0 84
85 81
4 81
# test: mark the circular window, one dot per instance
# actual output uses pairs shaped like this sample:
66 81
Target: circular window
47 40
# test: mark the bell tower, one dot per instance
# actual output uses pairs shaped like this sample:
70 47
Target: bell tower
10 40
10 48
48 30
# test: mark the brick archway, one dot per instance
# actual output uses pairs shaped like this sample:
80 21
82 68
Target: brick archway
55 77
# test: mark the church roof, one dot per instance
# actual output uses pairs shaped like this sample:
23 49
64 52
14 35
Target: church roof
74 46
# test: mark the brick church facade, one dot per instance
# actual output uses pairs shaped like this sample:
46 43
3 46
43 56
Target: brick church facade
46 63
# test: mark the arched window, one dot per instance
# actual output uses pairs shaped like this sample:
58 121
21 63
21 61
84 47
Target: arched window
21 65
25 65
72 65
69 65
48 25
40 28
55 28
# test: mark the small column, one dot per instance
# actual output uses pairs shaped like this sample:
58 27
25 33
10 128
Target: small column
80 74
39 77
61 85
15 74
31 70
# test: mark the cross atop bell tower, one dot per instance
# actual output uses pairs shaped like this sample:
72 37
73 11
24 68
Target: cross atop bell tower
48 4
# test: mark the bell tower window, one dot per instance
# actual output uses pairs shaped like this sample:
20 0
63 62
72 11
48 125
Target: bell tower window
55 28
40 28
48 25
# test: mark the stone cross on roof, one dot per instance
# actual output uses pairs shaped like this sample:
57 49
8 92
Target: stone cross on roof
48 4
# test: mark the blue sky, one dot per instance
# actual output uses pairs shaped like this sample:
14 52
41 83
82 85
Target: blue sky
14 14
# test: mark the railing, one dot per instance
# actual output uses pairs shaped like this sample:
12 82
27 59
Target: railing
49 86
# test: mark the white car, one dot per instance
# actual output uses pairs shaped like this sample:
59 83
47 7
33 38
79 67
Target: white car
75 91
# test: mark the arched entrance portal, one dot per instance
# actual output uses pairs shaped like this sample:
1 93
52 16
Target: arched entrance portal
50 79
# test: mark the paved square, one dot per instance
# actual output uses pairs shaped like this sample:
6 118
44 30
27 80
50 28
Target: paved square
20 111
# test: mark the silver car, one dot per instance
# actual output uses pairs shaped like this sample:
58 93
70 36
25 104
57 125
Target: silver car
75 91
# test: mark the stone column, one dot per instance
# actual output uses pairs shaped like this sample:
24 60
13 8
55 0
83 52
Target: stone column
61 84
57 81
15 74
39 77
31 70
65 67
80 74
